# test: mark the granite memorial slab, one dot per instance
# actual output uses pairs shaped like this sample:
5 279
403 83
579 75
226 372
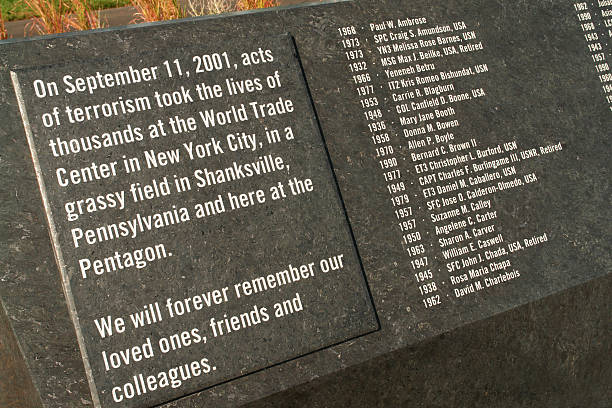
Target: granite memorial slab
212 210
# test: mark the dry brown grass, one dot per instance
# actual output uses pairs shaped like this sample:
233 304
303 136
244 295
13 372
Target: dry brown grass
256 4
58 16
220 6
207 7
51 16
3 33
84 17
157 10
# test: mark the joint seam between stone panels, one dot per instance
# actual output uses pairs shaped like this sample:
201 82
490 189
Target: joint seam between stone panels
333 173
54 239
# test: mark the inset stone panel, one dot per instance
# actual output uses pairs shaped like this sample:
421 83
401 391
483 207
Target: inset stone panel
196 220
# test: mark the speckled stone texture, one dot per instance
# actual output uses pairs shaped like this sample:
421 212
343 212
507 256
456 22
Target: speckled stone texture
542 88
553 353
